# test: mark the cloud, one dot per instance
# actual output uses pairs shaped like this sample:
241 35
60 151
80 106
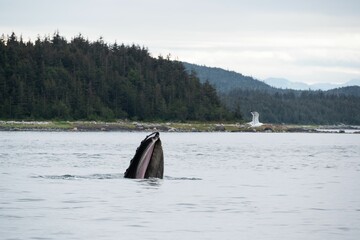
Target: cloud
303 40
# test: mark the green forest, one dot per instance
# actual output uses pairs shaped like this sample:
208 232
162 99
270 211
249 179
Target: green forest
244 94
55 79
52 78
299 107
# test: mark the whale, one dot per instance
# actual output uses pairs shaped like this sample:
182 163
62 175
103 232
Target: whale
148 161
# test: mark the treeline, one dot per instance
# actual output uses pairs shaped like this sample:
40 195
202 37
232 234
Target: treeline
299 107
245 94
52 78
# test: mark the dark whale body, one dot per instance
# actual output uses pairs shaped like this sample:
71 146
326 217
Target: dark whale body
148 161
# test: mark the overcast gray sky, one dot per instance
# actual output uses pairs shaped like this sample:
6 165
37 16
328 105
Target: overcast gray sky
302 40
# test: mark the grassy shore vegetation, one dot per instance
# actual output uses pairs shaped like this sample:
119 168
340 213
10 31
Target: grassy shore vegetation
114 126
126 125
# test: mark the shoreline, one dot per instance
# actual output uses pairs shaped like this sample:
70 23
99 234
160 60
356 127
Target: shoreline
135 126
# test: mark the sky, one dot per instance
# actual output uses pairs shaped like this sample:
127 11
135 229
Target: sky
310 41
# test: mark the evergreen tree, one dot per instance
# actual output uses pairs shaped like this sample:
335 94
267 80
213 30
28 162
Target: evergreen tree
53 78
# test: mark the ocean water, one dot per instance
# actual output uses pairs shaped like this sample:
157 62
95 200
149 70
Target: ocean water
70 185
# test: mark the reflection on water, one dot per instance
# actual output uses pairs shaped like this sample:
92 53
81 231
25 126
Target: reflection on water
216 186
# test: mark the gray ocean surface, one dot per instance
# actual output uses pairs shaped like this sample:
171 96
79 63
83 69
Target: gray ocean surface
70 185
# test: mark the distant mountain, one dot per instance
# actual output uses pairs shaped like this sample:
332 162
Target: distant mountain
245 94
354 82
224 80
287 84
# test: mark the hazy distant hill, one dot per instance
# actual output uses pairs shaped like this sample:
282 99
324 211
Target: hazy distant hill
286 84
224 80
245 94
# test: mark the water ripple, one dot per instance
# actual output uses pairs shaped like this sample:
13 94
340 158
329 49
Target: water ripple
223 184
30 200
182 178
100 176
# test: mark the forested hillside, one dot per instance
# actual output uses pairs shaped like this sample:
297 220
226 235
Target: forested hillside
299 107
225 81
349 91
52 78
245 94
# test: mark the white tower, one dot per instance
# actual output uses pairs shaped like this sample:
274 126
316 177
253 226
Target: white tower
255 120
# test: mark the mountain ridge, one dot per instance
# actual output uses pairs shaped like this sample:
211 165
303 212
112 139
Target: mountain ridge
225 81
246 94
284 83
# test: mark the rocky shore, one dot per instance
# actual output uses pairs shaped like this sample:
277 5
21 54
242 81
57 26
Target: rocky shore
85 126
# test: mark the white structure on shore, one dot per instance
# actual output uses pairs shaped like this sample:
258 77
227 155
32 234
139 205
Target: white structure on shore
255 120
